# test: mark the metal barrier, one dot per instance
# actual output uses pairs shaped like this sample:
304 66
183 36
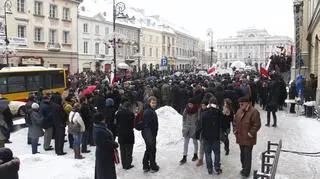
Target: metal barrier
269 163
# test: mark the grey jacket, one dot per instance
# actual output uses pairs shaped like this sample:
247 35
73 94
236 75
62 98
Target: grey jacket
35 129
189 124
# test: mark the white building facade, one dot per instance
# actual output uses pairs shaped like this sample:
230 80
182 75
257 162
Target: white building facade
42 33
251 46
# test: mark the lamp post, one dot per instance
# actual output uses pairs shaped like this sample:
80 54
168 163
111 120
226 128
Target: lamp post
210 34
298 5
7 9
117 10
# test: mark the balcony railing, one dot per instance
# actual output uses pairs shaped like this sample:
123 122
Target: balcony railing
100 56
77 1
54 47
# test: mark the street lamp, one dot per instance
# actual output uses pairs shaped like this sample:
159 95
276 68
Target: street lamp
118 10
210 34
7 9
298 5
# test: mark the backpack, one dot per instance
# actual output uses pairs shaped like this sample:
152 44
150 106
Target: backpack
74 128
138 121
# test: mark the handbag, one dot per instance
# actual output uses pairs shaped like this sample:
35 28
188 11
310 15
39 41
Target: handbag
116 157
74 128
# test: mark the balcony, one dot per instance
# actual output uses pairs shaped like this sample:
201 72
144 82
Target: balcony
54 47
76 1
100 56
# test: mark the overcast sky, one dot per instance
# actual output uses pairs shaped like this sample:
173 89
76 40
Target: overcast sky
225 17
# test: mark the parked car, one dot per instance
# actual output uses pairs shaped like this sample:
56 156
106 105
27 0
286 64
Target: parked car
17 108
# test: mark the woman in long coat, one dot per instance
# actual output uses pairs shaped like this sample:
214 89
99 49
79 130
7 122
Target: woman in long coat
272 100
35 129
104 165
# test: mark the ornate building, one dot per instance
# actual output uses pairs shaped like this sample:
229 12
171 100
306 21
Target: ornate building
252 46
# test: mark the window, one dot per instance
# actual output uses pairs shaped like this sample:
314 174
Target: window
66 37
144 51
85 28
106 31
20 5
38 34
33 83
172 41
150 38
52 66
22 31
66 14
106 49
38 8
97 50
53 13
57 81
53 36
85 47
163 39
16 84
3 85
157 52
97 29
150 52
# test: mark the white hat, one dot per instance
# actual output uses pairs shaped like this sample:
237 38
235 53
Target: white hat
35 106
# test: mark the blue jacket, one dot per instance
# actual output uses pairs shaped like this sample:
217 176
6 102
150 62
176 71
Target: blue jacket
299 85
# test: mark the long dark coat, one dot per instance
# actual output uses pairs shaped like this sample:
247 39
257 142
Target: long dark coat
125 122
104 165
273 96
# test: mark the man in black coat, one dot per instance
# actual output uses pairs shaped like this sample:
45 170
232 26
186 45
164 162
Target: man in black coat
9 166
149 134
46 114
59 118
210 128
125 122
86 115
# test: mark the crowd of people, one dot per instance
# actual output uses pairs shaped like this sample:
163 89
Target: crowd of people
107 116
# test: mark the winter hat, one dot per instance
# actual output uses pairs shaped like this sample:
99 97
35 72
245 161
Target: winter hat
35 106
5 155
192 101
243 100
109 102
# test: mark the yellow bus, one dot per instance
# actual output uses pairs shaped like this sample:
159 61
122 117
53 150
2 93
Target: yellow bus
17 82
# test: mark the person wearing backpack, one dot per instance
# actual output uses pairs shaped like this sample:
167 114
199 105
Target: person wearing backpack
47 123
77 128
149 134
35 127
124 122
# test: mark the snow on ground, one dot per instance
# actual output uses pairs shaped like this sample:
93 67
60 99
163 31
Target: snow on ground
297 133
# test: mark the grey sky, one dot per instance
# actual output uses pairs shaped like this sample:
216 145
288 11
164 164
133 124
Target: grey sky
225 17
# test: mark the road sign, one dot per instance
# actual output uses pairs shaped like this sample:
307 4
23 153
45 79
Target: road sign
164 61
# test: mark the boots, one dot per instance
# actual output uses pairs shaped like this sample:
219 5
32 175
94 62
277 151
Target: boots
184 160
195 157
77 154
200 163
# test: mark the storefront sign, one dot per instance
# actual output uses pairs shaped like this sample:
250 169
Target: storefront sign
13 40
31 60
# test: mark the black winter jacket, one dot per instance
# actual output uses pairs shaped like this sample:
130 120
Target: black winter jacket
210 124
125 123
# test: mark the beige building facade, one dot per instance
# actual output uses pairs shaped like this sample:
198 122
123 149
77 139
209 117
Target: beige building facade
42 32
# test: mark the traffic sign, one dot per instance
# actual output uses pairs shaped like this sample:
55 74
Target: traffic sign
164 61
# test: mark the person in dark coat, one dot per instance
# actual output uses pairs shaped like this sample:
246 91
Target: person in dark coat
31 100
149 134
59 118
226 120
292 95
175 98
282 93
109 113
99 101
103 138
35 128
272 100
183 97
9 166
8 120
125 122
47 123
210 127
263 94
220 96
86 115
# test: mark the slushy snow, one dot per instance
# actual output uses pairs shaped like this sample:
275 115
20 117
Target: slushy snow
297 133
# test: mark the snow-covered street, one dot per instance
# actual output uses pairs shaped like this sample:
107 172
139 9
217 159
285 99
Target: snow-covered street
297 133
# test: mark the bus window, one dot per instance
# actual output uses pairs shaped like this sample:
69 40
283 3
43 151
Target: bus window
57 80
3 85
16 84
47 84
33 83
